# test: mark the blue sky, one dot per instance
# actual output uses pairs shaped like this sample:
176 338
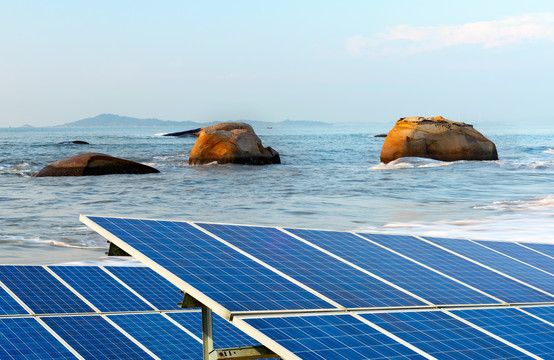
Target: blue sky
482 62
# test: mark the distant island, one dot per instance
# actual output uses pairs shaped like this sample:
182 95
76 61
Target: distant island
113 120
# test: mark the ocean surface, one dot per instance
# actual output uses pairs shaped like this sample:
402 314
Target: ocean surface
330 178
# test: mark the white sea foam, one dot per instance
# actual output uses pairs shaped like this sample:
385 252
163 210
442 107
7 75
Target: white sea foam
411 163
36 240
521 220
523 165
499 228
539 203
549 151
173 157
107 261
19 169
420 163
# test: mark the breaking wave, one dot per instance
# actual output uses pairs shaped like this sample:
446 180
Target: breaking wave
23 169
34 241
411 163
517 205
529 220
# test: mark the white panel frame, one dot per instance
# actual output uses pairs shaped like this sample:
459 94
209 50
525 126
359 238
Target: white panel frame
175 280
269 267
535 250
363 236
511 257
506 342
485 266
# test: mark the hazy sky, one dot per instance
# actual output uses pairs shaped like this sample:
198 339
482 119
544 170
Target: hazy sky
336 61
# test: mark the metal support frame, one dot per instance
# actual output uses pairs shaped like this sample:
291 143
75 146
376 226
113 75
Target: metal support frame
208 351
243 353
207 332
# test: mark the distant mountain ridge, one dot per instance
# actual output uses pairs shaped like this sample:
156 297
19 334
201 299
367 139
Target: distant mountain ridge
114 120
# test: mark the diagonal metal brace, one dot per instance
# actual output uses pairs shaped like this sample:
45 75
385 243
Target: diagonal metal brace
243 353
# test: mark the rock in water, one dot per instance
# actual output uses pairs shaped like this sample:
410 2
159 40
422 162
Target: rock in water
436 138
78 142
94 164
192 132
234 142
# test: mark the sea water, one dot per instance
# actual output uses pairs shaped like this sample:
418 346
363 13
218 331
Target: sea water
330 178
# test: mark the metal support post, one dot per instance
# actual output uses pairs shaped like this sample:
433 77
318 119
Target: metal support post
207 332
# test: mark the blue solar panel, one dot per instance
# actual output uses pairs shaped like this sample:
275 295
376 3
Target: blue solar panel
331 337
25 338
544 312
499 262
547 249
221 273
100 289
522 253
444 337
8 305
515 326
400 271
95 338
160 336
225 334
151 286
41 291
483 279
331 277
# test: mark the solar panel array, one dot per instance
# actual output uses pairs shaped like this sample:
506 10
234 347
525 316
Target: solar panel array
97 312
314 294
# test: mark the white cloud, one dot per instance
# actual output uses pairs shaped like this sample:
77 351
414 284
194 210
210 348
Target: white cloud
411 39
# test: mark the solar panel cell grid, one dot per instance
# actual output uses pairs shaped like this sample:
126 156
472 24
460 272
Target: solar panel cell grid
499 262
522 253
444 337
515 326
331 277
429 285
544 312
331 337
41 291
160 336
100 289
95 338
26 338
154 288
547 249
226 276
477 276
8 305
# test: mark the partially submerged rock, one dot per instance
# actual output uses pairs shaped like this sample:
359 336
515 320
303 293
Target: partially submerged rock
234 142
94 164
436 138
192 132
77 142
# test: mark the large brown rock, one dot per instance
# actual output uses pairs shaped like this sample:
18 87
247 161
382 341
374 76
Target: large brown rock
436 138
234 142
94 164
